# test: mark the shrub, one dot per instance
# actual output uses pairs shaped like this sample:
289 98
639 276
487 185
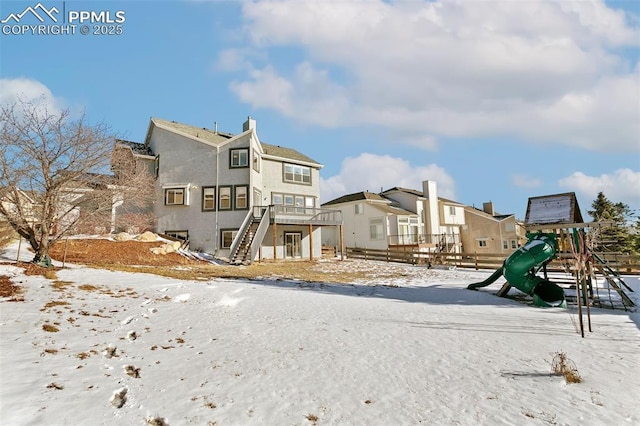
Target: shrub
563 366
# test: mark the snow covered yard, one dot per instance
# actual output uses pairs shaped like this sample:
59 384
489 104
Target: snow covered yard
100 347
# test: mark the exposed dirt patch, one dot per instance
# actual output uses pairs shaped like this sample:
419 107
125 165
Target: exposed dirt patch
103 251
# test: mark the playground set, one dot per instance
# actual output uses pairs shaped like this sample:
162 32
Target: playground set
556 231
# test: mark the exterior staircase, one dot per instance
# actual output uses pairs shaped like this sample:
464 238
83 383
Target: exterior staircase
246 243
243 254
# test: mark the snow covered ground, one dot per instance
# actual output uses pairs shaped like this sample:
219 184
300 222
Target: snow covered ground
421 349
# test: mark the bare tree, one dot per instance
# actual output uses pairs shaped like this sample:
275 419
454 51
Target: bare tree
53 174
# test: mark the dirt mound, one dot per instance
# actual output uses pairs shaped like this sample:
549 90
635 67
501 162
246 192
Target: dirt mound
105 252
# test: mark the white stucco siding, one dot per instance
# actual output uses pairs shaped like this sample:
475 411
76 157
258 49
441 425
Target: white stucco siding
356 227
273 181
195 165
452 214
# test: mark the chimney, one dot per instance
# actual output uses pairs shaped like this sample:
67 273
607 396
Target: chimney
432 217
488 208
249 124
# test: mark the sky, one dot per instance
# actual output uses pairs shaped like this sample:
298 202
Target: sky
408 346
494 100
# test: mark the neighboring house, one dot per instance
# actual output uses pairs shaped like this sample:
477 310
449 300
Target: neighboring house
443 219
488 232
372 221
19 204
233 195
400 217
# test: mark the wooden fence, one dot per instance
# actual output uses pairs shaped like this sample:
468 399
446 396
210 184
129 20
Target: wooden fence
624 264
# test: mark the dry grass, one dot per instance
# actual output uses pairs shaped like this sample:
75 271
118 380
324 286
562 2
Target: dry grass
50 328
53 303
10 290
134 256
563 366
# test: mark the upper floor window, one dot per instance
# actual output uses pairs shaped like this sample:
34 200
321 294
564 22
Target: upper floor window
174 196
239 157
297 174
452 210
256 161
359 208
482 243
242 193
209 198
224 203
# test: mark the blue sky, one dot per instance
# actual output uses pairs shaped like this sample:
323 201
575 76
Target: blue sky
494 100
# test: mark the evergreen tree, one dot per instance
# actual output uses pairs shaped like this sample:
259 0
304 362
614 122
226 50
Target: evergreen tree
616 237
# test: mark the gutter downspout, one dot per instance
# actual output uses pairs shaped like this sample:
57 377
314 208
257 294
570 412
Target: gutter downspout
217 197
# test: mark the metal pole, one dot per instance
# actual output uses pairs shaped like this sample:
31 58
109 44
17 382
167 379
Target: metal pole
64 257
19 246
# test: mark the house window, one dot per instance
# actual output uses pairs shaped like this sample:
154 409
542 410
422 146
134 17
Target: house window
514 244
509 227
297 174
375 229
299 204
174 196
224 203
359 208
208 198
482 243
452 210
276 199
227 237
310 202
241 197
256 162
181 235
505 244
239 157
156 165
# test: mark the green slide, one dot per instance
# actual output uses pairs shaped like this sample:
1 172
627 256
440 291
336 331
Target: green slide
520 269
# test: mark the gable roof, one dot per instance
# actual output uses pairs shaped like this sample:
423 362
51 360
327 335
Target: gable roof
480 212
278 151
219 138
407 190
203 133
357 196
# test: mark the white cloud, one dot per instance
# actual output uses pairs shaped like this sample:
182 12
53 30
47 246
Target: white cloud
622 185
536 71
373 173
28 91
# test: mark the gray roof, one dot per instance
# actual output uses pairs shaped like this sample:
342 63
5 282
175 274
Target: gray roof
289 153
407 190
198 132
218 138
364 195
